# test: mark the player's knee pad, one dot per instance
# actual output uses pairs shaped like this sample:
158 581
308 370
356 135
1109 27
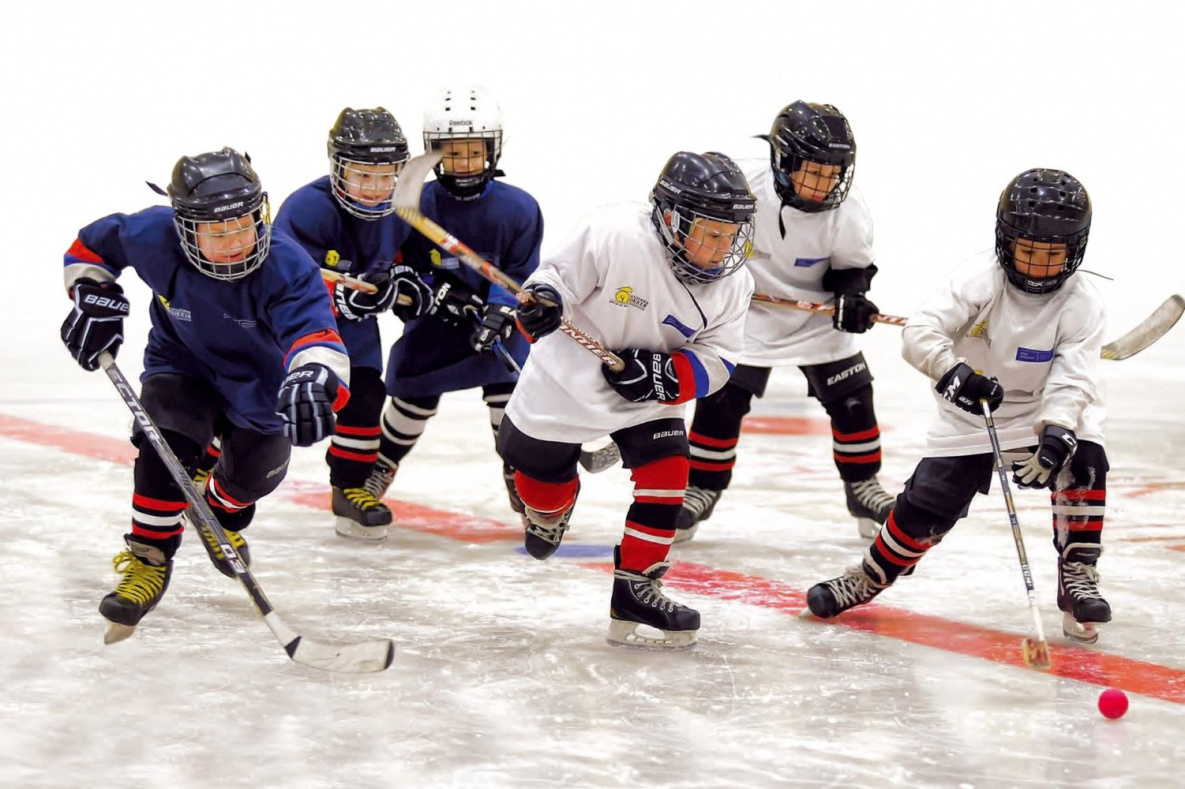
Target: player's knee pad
152 475
833 381
1089 466
648 442
546 497
922 523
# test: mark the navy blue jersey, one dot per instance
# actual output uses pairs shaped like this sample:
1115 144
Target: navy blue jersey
505 227
241 336
342 242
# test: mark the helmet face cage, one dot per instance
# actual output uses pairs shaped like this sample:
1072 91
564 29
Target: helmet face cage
675 224
367 151
812 134
1045 207
464 115
368 176
226 233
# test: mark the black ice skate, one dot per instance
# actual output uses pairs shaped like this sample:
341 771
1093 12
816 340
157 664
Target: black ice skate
1078 595
698 504
833 597
516 502
544 532
146 572
218 558
869 504
360 515
638 601
380 479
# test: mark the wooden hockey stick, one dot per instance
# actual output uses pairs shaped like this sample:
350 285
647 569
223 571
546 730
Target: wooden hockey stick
407 204
1034 651
359 658
1149 331
329 275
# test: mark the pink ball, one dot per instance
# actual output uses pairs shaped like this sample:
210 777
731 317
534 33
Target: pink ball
1113 703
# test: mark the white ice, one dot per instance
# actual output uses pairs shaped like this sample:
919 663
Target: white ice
502 677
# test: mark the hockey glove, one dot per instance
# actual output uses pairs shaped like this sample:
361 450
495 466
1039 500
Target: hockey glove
96 322
306 404
409 287
1040 469
853 313
357 305
535 319
455 306
497 323
648 375
965 388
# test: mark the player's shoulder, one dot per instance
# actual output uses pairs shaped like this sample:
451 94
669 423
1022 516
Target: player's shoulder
513 196
1084 297
286 256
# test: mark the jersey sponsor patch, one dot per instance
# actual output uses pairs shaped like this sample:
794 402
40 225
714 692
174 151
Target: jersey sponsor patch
624 297
671 320
1032 355
175 312
808 262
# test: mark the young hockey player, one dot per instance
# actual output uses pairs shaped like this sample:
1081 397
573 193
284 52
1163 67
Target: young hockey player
346 222
812 242
243 345
468 339
664 284
1016 329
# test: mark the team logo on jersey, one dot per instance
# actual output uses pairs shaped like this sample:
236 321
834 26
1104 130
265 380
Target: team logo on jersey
175 312
808 262
245 323
624 297
1033 355
671 320
980 330
331 258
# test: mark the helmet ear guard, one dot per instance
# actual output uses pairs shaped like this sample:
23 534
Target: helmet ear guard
1045 207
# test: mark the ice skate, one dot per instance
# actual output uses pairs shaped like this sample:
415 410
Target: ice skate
849 590
146 574
638 601
1083 608
698 504
869 504
544 532
360 515
380 479
218 558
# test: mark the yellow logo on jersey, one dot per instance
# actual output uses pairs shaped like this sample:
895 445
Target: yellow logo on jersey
163 300
332 258
434 256
176 312
980 330
624 297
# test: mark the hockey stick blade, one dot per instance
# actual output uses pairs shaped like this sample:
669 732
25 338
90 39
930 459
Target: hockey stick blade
1152 329
598 460
365 657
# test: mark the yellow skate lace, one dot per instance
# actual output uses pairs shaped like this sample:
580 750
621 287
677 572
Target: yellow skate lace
236 540
142 583
361 498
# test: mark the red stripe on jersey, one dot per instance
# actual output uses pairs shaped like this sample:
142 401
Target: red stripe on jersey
78 250
686 377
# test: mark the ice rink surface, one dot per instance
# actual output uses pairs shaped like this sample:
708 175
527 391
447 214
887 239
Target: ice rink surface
502 677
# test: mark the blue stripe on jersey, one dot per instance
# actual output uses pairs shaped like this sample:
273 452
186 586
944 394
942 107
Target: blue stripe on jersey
1031 355
698 373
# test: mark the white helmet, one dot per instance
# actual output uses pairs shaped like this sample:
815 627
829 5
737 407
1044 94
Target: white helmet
468 113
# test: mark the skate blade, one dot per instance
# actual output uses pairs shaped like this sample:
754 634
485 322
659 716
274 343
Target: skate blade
117 632
625 634
356 531
685 535
1079 632
868 528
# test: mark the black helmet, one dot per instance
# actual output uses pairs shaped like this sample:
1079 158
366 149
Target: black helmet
1047 207
359 138
702 186
814 133
217 187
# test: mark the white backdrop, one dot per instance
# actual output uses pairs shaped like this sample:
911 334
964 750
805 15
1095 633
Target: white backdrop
947 101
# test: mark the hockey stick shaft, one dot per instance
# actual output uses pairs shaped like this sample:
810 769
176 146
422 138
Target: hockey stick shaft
359 284
407 205
204 520
1036 655
825 309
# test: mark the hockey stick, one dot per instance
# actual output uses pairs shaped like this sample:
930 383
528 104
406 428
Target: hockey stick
350 282
1035 652
407 204
598 460
1149 331
359 658
826 309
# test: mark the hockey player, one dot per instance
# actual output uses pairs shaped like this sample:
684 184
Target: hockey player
243 345
1014 328
665 284
346 221
468 339
813 241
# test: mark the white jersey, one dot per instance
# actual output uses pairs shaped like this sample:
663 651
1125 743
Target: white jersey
792 267
618 286
1044 349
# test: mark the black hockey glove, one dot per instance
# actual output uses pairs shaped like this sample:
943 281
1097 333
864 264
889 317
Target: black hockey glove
497 323
1040 469
306 404
96 322
358 305
455 306
965 388
648 375
853 313
409 287
535 319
